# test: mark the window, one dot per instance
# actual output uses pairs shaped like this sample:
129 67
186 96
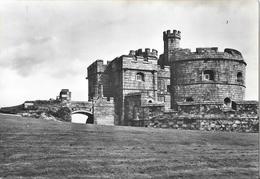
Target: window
140 77
234 105
240 77
168 88
208 75
227 102
189 99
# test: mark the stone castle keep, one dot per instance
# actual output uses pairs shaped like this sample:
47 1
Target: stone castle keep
142 85
179 89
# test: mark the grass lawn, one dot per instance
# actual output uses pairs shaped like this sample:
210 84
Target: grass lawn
38 148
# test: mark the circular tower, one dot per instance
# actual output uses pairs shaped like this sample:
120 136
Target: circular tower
171 44
207 75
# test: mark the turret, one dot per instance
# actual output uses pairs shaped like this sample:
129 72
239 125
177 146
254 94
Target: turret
171 43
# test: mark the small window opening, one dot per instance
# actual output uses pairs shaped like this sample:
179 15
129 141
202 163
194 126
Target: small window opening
234 105
150 101
239 77
208 75
227 102
168 88
189 99
140 77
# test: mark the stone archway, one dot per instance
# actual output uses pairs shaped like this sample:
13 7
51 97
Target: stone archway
90 116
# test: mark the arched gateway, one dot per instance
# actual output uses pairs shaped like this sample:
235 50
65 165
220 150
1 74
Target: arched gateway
90 119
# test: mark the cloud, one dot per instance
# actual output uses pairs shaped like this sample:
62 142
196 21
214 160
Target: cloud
26 57
52 43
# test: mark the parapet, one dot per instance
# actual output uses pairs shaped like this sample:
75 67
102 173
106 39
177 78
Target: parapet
207 50
208 53
104 99
214 50
146 53
233 52
174 34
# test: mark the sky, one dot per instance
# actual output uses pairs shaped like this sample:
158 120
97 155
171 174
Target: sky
46 46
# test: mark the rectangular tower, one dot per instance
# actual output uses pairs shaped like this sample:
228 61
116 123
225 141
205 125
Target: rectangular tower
95 73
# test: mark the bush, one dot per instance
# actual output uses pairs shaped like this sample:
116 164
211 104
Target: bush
63 114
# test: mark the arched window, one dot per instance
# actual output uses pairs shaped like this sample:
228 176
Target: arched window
208 75
140 76
240 77
227 102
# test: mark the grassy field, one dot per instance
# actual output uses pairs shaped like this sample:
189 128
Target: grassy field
37 148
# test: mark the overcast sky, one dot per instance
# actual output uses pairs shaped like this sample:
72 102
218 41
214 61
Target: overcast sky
46 46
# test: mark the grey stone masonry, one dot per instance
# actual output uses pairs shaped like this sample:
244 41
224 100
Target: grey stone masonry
178 76
207 75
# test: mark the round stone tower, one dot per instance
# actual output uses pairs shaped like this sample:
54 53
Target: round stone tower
171 43
207 75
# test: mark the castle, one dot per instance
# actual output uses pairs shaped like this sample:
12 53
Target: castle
142 85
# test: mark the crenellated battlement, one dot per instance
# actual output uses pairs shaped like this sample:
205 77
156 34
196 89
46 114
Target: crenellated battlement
171 34
207 50
208 53
146 53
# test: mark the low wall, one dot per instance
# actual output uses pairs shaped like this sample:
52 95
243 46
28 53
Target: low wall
146 113
210 116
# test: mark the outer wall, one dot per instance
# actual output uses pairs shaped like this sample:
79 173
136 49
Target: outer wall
187 80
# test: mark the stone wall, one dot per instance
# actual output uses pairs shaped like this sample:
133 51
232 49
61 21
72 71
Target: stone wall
140 108
95 73
207 76
207 92
146 66
211 116
178 76
164 86
114 73
103 111
122 75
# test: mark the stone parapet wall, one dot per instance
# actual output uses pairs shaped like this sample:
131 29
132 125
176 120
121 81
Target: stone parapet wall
210 53
139 63
233 125
244 109
209 116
